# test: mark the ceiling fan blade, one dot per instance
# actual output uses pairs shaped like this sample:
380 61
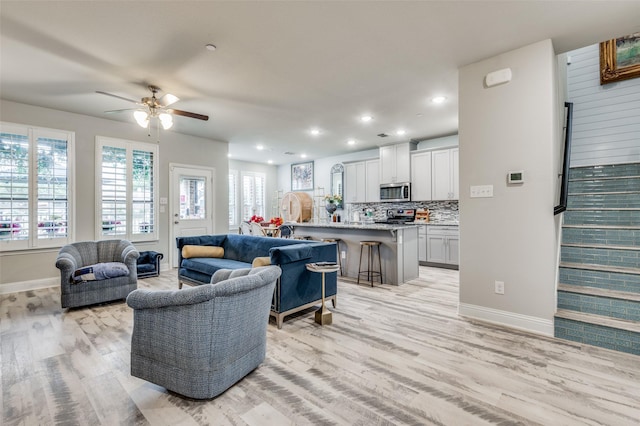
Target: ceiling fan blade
168 99
119 97
188 114
113 111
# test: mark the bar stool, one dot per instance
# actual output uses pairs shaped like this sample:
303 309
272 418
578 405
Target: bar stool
337 241
370 272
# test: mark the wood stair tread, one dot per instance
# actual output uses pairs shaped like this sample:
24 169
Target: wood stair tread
604 209
587 179
601 246
604 193
602 268
627 325
591 226
600 292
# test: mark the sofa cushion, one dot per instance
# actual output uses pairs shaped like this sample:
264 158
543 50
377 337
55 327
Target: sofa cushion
100 271
261 261
190 251
209 265
289 254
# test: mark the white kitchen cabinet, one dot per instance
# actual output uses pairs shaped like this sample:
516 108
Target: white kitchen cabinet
445 174
395 162
422 243
421 176
372 178
362 183
355 182
443 244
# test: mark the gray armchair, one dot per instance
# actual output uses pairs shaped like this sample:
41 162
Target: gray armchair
199 341
78 255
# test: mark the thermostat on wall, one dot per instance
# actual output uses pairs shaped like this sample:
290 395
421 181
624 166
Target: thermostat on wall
515 177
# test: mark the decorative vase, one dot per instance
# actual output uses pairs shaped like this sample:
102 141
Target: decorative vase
331 207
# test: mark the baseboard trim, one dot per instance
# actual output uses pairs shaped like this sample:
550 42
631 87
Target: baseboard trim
29 285
508 319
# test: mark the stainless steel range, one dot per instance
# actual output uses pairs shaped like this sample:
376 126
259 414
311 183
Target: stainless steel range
399 216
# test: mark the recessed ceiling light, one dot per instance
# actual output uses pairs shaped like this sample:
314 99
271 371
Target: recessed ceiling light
229 155
366 118
259 147
270 161
303 155
351 142
400 132
438 99
315 132
210 46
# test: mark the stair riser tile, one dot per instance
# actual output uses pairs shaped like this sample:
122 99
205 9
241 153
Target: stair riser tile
619 218
597 335
615 308
612 170
605 185
604 257
615 237
598 201
598 279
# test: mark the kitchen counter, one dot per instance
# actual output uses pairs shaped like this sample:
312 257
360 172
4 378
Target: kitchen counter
437 223
399 249
353 225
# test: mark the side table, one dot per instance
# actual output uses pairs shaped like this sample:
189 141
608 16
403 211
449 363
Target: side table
323 314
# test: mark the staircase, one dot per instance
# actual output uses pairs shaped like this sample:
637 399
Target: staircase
599 277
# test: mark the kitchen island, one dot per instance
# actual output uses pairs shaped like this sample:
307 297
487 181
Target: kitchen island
399 249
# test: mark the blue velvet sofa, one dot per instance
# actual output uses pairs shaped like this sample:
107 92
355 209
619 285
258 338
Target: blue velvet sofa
296 289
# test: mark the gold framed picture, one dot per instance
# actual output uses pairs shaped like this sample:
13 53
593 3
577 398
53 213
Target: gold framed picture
620 59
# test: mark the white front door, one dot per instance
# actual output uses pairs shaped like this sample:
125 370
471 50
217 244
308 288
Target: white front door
191 206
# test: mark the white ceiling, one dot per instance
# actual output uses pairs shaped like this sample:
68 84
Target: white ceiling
281 68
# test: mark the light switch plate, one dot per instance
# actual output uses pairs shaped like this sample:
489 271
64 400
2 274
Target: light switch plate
481 191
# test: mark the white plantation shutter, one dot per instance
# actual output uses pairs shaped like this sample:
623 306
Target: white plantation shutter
253 196
233 197
35 187
126 190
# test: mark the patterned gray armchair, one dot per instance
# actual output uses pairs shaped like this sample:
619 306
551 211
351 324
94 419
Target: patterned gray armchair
75 256
199 341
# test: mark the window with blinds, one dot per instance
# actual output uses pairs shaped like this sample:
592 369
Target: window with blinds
127 189
35 187
233 197
253 194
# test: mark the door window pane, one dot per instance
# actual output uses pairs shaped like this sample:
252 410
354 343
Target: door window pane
192 197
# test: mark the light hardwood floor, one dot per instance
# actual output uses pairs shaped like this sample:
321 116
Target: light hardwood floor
393 356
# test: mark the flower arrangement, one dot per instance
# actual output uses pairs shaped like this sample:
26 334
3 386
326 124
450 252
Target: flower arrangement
258 219
277 221
335 198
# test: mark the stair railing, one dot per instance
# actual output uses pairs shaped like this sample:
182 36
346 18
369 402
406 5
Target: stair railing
564 185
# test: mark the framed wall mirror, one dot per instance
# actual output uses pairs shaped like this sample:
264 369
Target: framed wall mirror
337 182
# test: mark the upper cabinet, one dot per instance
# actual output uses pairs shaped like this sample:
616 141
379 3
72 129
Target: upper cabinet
421 176
362 184
444 174
395 162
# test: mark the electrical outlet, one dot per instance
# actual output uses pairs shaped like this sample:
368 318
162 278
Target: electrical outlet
499 287
343 254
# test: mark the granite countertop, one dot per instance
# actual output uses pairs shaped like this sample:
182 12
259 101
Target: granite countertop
438 223
355 225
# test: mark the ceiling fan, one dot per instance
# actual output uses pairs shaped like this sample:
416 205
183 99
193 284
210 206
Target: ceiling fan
151 106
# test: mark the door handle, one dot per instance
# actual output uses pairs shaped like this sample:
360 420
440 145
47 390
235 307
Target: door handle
176 222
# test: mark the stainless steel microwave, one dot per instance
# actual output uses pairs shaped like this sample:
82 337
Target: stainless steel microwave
395 191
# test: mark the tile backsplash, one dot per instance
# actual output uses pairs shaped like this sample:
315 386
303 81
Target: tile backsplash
439 211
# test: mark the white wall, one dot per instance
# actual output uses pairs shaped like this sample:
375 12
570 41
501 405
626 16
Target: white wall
512 236
32 268
606 127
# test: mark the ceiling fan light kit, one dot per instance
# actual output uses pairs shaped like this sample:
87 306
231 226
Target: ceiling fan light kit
151 107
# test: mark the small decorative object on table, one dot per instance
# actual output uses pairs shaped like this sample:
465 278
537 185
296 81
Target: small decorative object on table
332 203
